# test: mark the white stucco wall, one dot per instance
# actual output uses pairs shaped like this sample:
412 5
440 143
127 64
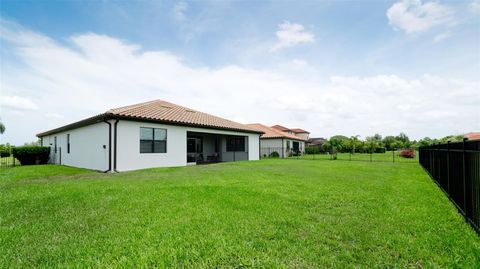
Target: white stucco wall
128 145
86 146
275 144
303 135
89 146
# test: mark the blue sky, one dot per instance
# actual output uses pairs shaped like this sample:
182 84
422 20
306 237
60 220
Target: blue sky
326 66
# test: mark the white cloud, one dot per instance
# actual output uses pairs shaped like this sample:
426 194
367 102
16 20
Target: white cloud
179 11
291 34
96 72
17 102
442 36
53 116
475 6
413 16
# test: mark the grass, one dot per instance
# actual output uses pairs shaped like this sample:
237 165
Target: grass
388 156
269 213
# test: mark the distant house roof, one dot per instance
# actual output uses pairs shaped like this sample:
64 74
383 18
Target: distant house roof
270 132
316 141
162 112
280 128
299 131
285 129
472 136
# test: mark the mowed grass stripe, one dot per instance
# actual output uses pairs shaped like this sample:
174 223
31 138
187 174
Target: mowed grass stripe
269 213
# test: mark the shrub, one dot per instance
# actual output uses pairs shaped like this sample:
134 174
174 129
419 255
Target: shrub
5 150
28 155
407 153
312 150
274 155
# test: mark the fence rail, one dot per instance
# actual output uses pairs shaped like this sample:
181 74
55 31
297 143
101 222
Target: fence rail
389 156
8 161
455 167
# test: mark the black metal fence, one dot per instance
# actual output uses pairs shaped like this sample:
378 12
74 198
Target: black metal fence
394 156
8 161
455 167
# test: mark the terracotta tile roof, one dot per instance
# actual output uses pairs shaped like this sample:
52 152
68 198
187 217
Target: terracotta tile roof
299 131
164 112
167 112
316 141
270 132
472 136
280 128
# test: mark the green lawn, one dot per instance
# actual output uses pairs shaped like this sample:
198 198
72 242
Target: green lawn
269 213
388 156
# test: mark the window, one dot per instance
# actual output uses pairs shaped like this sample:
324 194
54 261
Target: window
68 143
288 144
235 143
153 140
296 146
55 144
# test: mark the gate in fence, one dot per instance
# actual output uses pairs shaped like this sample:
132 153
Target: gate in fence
8 161
455 167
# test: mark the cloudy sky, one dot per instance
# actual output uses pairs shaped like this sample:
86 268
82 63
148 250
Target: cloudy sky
331 67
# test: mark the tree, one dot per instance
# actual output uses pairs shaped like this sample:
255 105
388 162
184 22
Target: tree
377 137
338 142
354 141
372 144
402 137
2 128
388 141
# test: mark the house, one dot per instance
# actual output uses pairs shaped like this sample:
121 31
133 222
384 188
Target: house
150 134
295 131
472 136
285 143
316 142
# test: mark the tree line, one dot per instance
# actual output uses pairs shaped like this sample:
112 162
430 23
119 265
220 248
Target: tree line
379 144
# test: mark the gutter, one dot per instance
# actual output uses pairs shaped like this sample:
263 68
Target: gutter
115 146
109 145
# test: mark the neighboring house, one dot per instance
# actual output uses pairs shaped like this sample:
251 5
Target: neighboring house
151 134
472 136
316 142
295 131
274 140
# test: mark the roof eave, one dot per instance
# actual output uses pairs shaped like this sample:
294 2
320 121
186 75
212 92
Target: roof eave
109 115
81 123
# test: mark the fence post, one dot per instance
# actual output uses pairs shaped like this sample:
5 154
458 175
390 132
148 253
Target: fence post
448 168
393 154
464 182
371 155
13 160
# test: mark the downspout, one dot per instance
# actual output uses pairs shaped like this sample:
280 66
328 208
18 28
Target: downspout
283 150
109 146
115 146
259 147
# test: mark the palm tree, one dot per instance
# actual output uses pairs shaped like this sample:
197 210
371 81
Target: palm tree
2 128
354 140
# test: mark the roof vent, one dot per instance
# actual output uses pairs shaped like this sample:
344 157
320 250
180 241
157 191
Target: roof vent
165 106
189 110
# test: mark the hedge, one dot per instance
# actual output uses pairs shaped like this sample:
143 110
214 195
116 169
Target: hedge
274 155
28 155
